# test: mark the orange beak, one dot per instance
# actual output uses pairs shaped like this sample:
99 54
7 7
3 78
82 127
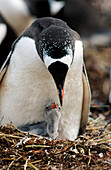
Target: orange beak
54 106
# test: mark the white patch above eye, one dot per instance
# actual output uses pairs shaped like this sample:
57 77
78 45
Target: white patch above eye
55 6
78 49
67 59
3 32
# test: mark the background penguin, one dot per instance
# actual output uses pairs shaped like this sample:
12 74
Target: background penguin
16 14
45 8
7 37
81 16
14 19
46 65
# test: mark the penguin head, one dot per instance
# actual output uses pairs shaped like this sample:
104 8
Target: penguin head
57 52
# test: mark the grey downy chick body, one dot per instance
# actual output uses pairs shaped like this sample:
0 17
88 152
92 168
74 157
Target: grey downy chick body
52 115
49 127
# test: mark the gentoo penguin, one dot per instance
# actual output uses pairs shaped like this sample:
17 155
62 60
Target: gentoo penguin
7 37
46 65
48 127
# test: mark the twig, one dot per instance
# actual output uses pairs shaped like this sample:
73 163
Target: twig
99 106
94 128
10 165
28 161
12 136
104 128
96 120
1 119
29 133
36 161
38 146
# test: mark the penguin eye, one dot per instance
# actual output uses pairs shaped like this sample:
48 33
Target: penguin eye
47 108
59 108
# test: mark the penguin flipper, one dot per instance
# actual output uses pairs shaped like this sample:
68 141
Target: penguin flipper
4 67
86 102
39 128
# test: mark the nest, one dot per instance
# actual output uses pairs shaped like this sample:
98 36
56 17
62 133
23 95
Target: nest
21 150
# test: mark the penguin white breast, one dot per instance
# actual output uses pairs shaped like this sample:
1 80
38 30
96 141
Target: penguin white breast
27 87
73 94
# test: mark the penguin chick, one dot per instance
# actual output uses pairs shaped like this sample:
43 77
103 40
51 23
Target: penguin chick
49 127
52 115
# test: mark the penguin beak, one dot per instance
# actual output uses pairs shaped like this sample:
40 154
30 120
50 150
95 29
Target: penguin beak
58 71
61 93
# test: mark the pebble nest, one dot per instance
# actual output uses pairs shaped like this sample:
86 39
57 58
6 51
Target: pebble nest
21 150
